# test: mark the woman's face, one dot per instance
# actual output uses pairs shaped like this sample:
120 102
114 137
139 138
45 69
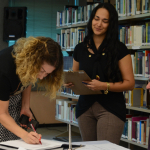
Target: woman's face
100 22
45 70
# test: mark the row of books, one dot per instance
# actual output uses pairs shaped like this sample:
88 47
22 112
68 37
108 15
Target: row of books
65 110
141 63
138 96
74 14
68 62
68 92
69 38
132 7
136 35
136 129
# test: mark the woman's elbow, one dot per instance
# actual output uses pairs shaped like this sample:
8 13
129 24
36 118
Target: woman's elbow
132 85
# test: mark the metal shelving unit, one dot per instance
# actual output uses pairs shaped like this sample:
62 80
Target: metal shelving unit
138 109
134 143
140 16
141 78
68 49
72 25
122 139
68 96
74 124
120 19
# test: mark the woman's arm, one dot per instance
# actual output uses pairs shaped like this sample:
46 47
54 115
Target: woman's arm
25 109
9 123
125 66
75 66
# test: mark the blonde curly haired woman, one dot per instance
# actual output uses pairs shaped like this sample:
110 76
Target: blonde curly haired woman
21 65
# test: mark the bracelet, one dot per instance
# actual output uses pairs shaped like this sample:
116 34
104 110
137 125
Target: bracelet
106 91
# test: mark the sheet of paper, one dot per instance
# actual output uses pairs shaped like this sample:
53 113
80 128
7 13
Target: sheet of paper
45 144
109 146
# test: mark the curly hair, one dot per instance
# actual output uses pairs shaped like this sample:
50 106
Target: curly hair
30 53
113 71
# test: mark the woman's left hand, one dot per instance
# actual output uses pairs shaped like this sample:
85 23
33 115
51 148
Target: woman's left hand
27 112
96 85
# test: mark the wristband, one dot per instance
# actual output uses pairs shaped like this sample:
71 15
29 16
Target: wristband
106 91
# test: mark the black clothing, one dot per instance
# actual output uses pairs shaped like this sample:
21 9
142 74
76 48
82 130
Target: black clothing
10 89
9 82
114 101
14 111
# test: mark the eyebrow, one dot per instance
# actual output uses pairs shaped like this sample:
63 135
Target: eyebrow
43 69
103 19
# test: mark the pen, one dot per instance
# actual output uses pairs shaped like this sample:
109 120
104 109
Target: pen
7 146
34 131
85 83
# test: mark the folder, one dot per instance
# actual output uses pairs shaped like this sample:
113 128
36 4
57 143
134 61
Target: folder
76 78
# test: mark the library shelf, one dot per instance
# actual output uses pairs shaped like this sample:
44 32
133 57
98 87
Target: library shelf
139 47
141 78
72 25
134 143
74 124
139 16
138 109
124 18
122 139
68 96
68 49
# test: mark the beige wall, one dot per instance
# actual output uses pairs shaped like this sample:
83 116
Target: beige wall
43 108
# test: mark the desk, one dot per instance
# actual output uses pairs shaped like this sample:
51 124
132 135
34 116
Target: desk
90 145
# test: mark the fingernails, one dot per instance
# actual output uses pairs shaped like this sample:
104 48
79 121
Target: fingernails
29 119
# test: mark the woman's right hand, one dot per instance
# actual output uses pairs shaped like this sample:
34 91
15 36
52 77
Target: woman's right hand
32 138
68 85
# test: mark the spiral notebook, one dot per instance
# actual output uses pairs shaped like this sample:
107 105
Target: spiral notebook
76 78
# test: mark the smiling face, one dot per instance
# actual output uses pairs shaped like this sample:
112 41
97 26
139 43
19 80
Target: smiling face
100 22
45 70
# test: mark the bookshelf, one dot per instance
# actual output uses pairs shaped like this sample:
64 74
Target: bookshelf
74 124
72 26
69 96
145 17
134 143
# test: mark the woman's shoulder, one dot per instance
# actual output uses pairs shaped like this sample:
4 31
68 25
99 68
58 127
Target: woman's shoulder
122 45
6 60
79 45
122 50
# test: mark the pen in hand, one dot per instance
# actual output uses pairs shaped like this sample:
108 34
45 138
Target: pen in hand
85 83
35 131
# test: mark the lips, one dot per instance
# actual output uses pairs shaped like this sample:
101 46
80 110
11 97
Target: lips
98 29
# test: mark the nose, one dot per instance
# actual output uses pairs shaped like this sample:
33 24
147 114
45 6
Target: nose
99 23
41 77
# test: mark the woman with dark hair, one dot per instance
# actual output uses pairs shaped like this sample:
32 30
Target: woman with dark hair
21 65
107 61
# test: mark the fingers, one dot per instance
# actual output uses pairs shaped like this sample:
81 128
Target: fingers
68 85
24 126
35 138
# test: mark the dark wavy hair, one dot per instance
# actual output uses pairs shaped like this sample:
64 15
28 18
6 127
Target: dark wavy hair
113 71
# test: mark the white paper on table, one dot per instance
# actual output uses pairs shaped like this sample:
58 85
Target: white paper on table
100 145
45 144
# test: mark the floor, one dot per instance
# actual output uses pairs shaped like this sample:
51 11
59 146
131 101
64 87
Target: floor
58 133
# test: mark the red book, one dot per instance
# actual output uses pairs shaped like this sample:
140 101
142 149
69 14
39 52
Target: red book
133 124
